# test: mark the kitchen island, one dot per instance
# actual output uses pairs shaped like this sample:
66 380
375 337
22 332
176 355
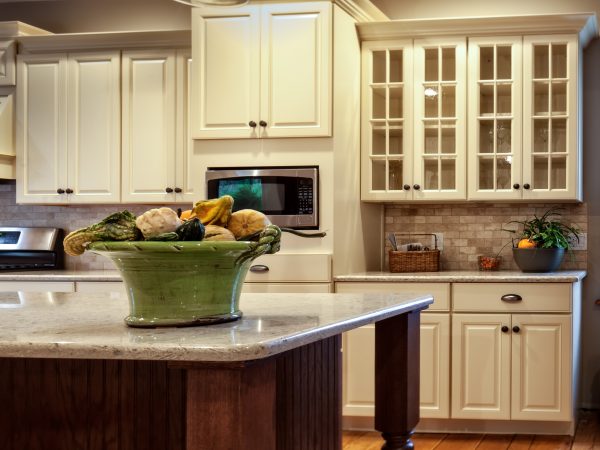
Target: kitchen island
74 376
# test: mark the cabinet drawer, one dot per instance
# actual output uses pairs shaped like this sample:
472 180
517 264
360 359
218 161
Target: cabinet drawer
290 268
440 291
535 297
259 288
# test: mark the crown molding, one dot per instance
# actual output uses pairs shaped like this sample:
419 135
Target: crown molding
362 10
15 28
584 24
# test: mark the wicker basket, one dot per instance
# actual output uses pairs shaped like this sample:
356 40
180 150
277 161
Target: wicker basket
415 261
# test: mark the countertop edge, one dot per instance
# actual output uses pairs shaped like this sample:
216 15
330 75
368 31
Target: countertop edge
466 277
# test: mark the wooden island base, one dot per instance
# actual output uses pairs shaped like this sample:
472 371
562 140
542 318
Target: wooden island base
289 401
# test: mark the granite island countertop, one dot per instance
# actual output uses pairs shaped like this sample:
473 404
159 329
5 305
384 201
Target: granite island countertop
500 276
60 275
90 326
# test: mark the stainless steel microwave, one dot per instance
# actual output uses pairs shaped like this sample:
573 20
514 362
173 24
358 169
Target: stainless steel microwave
289 196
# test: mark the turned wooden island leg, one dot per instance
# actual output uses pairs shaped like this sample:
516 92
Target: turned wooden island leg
397 379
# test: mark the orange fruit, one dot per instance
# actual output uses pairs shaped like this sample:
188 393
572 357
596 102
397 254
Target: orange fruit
526 243
185 215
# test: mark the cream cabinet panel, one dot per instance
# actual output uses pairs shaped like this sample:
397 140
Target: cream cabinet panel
440 115
541 367
226 72
434 395
7 135
359 372
262 71
296 73
7 63
149 126
94 128
481 366
42 128
551 140
386 118
318 288
184 170
495 119
36 286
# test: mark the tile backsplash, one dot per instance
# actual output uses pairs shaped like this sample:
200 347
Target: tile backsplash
472 229
69 218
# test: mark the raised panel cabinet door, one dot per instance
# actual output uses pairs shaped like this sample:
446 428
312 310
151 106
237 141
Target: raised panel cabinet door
480 366
495 118
148 136
541 367
41 128
551 137
94 127
7 63
295 83
434 395
184 170
387 120
440 119
358 391
225 73
7 120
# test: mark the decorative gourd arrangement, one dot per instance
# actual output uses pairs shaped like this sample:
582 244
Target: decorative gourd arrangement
208 220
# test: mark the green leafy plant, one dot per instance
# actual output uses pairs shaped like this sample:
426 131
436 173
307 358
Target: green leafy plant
548 231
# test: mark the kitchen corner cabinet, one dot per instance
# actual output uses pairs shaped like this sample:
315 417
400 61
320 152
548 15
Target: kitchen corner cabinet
156 148
68 128
7 63
262 71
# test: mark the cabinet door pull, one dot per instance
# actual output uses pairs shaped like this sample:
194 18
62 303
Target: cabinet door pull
178 190
406 187
252 124
512 298
526 186
262 123
516 329
516 186
416 187
60 191
68 191
259 268
504 329
168 190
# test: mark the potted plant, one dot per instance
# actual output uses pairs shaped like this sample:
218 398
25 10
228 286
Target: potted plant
542 242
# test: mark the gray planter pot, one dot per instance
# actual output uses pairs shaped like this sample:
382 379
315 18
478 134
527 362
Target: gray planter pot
538 259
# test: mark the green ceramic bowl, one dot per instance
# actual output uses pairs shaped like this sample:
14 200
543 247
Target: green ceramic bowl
184 283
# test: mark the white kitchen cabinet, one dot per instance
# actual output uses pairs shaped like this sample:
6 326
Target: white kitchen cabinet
508 365
7 63
262 71
156 148
359 358
7 135
68 112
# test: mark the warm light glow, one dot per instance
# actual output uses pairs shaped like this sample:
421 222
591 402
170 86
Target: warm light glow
213 2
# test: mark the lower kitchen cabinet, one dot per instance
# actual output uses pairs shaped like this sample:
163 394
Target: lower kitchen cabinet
358 353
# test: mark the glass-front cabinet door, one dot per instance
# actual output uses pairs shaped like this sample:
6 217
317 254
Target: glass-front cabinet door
550 135
440 119
386 166
495 87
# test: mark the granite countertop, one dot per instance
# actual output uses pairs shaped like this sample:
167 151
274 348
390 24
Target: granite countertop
61 275
500 276
90 326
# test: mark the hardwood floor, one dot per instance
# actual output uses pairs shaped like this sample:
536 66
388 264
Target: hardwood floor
587 437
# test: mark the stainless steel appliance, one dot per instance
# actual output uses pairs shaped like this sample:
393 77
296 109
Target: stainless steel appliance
30 248
289 196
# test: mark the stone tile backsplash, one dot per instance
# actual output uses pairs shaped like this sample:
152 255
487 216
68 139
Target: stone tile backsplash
472 229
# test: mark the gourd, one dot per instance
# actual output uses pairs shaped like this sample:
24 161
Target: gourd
216 211
246 222
217 233
157 221
119 226
191 230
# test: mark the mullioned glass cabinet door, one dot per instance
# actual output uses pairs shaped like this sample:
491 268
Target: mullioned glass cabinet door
386 142
495 103
550 135
440 119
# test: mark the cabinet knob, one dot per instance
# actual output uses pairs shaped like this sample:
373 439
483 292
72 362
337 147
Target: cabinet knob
168 190
69 191
511 298
516 329
516 185
416 187
178 190
504 329
60 191
526 186
252 124
262 123
406 187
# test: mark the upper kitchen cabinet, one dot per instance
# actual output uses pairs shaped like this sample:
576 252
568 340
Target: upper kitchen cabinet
68 128
523 112
7 63
155 140
262 71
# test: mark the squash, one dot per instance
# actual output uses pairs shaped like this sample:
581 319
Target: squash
191 230
157 221
217 233
186 215
216 211
246 222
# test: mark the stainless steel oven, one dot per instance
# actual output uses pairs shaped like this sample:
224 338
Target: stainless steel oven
289 196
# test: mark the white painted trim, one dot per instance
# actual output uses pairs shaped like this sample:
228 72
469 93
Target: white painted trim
362 10
16 28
